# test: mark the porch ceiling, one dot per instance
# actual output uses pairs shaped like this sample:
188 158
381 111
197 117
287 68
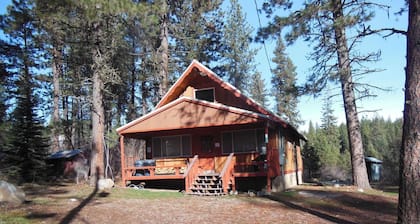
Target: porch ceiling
190 113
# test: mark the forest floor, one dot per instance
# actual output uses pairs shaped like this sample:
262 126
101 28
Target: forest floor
70 203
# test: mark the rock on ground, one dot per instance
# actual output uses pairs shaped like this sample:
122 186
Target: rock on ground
9 193
105 184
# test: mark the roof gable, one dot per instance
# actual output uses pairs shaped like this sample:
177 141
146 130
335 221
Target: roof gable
198 76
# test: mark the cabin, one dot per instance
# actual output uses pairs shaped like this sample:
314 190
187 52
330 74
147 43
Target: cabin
207 135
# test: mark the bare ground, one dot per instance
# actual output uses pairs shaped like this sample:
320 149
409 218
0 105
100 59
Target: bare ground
70 203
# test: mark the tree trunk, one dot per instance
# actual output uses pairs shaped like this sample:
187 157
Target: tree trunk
56 69
98 125
132 95
360 177
409 192
164 52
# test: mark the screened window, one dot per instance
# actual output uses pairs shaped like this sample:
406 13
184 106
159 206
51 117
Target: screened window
172 146
205 94
243 141
227 142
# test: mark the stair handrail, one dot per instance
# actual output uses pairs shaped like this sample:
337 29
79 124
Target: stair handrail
227 172
191 172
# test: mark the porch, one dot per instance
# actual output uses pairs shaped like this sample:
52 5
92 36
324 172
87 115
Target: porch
203 175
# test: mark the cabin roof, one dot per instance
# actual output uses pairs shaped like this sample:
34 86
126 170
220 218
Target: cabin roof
173 102
187 112
197 68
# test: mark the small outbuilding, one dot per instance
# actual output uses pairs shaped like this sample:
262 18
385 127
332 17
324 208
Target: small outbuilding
374 168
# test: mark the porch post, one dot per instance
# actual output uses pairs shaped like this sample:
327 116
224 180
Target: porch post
122 160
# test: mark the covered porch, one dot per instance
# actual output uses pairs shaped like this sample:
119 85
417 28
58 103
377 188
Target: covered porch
190 139
223 169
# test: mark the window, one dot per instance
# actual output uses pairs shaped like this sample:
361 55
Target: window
243 141
205 94
172 146
206 143
227 143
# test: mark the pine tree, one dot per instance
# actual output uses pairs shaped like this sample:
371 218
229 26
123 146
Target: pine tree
258 92
25 157
409 192
311 160
49 15
284 87
104 19
328 24
197 32
328 120
238 55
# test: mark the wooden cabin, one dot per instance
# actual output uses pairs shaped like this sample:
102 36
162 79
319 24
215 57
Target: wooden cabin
209 136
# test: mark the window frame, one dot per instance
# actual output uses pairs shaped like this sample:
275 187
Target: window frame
205 89
232 141
163 152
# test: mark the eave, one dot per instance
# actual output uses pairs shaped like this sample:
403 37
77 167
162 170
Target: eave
186 113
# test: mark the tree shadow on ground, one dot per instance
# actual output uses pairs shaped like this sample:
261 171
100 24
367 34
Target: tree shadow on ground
310 211
75 211
341 207
44 189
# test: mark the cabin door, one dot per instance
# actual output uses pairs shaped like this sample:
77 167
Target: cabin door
208 151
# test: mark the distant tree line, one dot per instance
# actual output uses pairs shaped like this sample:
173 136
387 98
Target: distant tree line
327 154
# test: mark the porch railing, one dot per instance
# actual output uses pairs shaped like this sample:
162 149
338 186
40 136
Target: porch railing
191 173
227 173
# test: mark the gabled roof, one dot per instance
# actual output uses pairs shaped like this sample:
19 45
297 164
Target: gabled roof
196 68
175 111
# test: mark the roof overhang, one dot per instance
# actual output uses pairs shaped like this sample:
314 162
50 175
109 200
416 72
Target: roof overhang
186 113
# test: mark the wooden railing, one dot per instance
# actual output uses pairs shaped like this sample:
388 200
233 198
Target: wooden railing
227 173
191 173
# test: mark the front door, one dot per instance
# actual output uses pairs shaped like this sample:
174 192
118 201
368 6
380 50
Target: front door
207 152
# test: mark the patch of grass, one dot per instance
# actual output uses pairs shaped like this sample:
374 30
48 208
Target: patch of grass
13 217
288 193
382 193
294 197
127 193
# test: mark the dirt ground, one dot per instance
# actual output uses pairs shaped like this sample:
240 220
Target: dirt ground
69 203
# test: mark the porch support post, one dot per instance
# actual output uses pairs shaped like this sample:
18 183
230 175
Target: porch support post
123 178
268 157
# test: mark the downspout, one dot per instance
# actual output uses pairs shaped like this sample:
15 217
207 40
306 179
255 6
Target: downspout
282 160
268 155
296 163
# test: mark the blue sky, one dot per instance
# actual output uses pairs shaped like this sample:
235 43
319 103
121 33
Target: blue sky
393 51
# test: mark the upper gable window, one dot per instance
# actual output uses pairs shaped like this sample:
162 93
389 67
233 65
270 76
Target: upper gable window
205 94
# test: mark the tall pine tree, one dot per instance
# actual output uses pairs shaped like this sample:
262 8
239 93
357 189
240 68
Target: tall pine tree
238 56
284 87
409 192
334 28
26 155
257 91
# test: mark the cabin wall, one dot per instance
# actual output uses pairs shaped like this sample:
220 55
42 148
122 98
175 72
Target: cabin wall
291 172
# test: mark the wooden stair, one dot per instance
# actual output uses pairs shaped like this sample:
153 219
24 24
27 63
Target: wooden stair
207 184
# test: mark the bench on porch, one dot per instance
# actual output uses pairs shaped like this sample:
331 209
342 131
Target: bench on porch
158 167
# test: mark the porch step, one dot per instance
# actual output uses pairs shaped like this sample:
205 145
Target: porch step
207 184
